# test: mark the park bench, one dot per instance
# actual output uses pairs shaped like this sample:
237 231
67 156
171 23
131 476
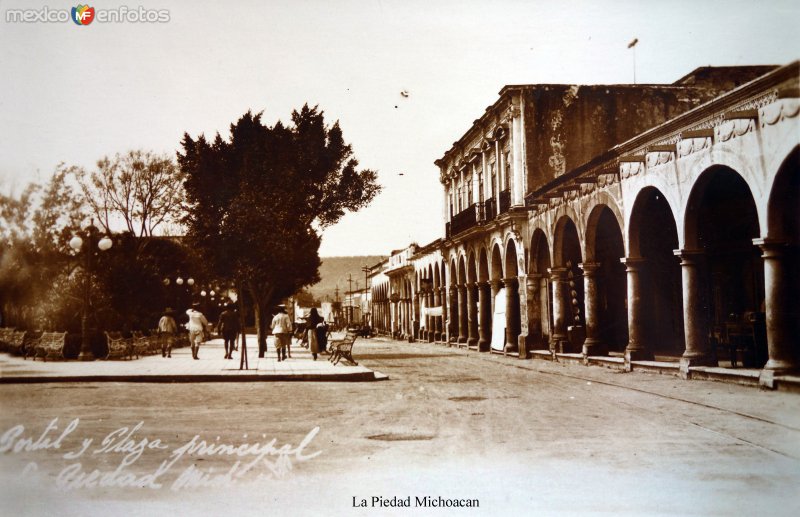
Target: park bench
16 343
343 348
50 344
141 344
118 346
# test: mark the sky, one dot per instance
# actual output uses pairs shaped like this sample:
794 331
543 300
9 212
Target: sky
74 94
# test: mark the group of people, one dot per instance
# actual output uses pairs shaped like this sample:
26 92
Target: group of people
199 330
314 331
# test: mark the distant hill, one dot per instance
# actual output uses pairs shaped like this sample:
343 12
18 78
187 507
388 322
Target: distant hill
334 271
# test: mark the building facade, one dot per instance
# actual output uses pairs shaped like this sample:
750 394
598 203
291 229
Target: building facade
626 221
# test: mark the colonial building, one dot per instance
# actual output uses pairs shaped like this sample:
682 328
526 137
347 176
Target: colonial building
622 223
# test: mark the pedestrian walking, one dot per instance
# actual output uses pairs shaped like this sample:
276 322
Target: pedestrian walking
198 328
228 326
282 330
167 328
314 319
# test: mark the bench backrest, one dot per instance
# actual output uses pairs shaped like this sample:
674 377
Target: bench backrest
17 338
53 340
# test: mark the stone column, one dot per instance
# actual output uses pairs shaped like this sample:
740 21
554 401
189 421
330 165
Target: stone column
437 330
593 345
561 309
417 330
452 323
484 316
430 322
495 286
463 330
780 304
472 314
443 301
534 309
636 349
695 311
512 312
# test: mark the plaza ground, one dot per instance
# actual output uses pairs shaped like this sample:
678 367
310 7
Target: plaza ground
522 437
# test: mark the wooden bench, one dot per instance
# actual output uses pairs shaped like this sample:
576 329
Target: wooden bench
141 344
51 344
16 343
118 346
343 348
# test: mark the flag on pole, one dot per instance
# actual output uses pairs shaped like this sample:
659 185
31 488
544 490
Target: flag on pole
633 43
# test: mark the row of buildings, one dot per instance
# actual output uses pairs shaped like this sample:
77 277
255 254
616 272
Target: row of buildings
620 223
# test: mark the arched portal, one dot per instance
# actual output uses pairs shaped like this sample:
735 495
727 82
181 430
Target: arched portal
781 254
484 302
653 240
568 289
452 323
721 223
472 300
511 284
540 307
463 326
604 284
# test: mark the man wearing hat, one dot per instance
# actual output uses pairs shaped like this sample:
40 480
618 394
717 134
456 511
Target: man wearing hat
167 328
198 327
228 326
282 330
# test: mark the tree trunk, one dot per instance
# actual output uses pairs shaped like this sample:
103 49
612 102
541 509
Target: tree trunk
260 307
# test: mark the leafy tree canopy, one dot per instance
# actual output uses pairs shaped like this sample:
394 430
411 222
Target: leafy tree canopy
257 201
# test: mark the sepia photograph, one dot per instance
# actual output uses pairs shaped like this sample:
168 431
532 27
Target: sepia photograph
400 258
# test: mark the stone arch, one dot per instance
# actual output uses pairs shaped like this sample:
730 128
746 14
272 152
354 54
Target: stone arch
607 204
605 282
483 265
652 239
728 157
720 224
496 262
666 193
781 254
568 293
540 323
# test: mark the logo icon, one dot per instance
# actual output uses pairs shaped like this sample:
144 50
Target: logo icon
83 15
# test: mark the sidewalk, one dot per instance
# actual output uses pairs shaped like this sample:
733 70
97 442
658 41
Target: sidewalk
211 367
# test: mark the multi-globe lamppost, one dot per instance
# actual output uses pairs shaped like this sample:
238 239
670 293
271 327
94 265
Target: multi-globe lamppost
85 242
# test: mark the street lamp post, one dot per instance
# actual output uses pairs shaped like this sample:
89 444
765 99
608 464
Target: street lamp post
77 243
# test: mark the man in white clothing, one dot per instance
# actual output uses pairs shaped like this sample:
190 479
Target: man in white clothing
197 326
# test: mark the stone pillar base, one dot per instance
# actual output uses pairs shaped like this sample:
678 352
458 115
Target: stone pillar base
637 354
594 347
472 341
522 346
558 344
483 345
462 339
688 362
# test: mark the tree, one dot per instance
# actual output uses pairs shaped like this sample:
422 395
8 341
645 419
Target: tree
258 201
140 188
36 284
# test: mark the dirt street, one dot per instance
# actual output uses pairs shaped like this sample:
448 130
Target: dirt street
520 437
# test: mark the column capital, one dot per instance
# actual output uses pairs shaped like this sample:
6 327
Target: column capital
772 248
510 281
557 273
590 268
690 257
535 276
633 263
453 288
496 282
